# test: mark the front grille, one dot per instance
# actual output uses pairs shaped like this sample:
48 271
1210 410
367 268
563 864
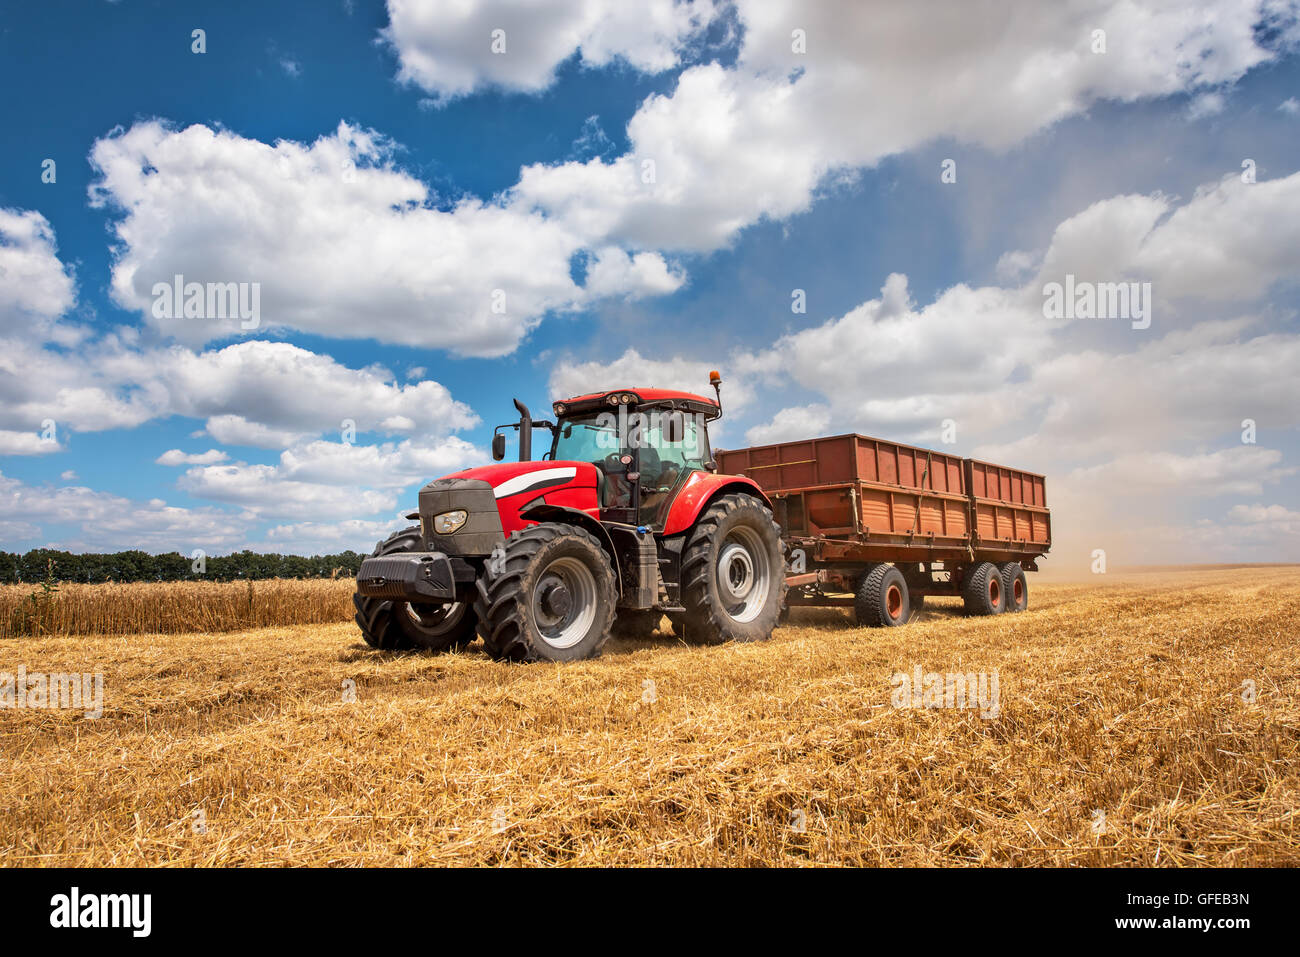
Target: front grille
482 530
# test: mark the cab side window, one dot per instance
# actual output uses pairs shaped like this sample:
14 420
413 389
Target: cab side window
670 451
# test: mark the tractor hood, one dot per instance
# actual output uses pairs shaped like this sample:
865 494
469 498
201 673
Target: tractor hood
494 498
531 478
515 487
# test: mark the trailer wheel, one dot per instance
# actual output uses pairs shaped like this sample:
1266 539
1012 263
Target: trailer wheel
398 625
733 578
1015 588
550 598
981 590
636 623
882 600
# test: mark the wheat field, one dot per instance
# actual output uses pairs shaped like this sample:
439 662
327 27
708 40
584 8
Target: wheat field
172 607
1123 737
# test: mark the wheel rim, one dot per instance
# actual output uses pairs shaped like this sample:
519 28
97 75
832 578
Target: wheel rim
743 579
894 602
564 602
995 592
1018 591
434 621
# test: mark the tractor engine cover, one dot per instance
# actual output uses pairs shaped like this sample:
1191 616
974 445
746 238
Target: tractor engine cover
505 491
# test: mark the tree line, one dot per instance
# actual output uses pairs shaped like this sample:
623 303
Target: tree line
137 566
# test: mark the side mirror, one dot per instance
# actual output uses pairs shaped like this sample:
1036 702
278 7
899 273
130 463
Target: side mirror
498 447
674 429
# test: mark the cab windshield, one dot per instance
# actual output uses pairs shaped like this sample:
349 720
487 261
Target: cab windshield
587 439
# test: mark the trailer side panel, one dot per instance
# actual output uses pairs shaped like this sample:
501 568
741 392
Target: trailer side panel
853 490
1009 507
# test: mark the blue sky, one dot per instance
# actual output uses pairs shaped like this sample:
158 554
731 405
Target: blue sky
459 171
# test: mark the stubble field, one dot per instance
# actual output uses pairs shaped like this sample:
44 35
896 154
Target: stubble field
1126 734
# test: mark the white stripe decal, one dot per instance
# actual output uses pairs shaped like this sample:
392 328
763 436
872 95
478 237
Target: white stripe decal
522 483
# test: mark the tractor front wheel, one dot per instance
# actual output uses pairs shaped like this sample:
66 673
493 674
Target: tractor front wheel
550 597
733 577
399 625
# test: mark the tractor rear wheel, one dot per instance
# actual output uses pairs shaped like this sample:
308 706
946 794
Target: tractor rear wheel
882 600
549 598
397 625
1014 587
981 590
733 578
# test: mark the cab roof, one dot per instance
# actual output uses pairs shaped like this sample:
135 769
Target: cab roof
640 397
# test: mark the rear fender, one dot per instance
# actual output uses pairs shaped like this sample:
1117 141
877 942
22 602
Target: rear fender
700 491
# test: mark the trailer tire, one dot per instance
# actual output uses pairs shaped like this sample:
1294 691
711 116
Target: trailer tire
882 600
981 590
1015 588
398 625
733 575
551 597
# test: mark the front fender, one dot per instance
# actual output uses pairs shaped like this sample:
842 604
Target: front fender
700 490
563 515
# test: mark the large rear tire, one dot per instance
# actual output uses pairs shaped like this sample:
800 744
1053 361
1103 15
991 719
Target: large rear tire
981 590
733 577
882 599
550 598
397 625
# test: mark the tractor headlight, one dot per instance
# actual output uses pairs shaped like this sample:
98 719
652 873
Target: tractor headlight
449 522
626 398
612 400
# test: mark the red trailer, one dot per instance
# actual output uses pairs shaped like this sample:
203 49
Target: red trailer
879 525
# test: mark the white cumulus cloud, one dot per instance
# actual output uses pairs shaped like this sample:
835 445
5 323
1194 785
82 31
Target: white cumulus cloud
452 49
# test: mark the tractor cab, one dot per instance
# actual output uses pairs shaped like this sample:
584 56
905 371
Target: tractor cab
644 443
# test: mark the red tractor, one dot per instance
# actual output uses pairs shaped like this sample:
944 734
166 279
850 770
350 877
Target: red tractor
623 521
